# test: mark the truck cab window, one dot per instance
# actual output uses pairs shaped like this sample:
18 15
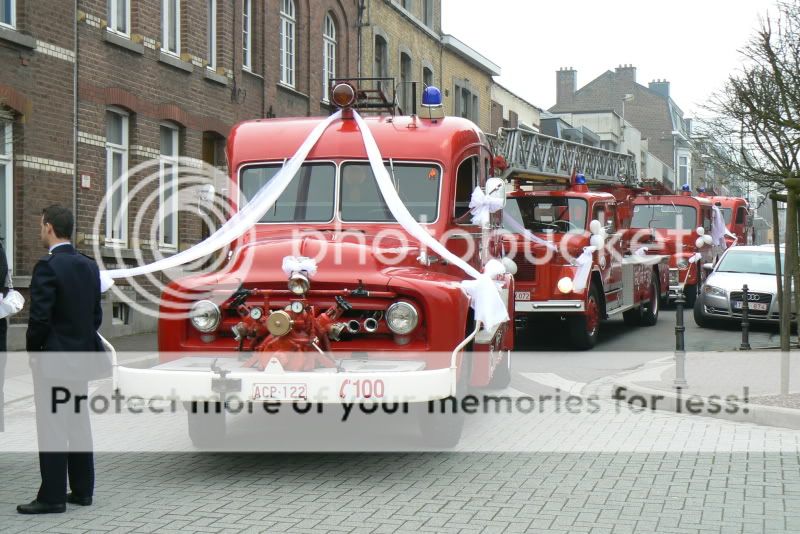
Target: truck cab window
466 182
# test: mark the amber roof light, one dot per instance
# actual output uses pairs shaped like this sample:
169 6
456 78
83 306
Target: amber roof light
343 95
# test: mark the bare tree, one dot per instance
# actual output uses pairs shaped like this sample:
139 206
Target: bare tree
757 124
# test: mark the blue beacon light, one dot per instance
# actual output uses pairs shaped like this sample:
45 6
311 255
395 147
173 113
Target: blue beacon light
686 187
431 97
580 179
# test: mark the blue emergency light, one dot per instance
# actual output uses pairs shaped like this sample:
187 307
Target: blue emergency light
686 187
431 97
701 189
580 179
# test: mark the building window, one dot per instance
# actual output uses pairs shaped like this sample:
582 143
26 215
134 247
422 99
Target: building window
380 60
168 187
466 103
328 55
405 83
287 42
427 13
8 13
119 16
247 35
406 5
6 188
171 26
683 167
116 177
427 76
212 34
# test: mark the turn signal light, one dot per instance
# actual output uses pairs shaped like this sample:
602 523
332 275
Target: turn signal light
343 95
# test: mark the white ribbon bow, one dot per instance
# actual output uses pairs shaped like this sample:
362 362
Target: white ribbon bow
481 206
584 263
11 304
296 264
483 293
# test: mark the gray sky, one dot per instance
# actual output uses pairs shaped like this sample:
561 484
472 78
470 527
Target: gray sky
692 43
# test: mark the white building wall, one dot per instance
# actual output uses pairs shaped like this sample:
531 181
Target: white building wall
526 112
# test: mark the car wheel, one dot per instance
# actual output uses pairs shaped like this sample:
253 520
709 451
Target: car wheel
699 313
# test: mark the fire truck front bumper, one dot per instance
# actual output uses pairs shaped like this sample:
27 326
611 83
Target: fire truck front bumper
208 379
549 306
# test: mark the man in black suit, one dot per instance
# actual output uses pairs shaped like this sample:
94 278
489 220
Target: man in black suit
65 315
3 332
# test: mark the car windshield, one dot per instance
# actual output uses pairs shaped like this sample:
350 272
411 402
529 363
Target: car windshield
548 214
666 216
417 184
307 198
748 261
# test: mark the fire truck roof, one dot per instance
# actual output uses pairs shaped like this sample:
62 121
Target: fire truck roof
400 137
686 200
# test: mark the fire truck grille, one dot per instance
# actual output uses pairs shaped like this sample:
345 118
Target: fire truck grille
526 271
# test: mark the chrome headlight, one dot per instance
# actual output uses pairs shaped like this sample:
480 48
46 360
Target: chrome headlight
298 283
402 318
683 263
714 291
205 316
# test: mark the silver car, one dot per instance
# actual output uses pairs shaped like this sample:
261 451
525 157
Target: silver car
721 294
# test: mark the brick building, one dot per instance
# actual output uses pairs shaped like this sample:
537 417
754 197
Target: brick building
93 88
650 109
403 39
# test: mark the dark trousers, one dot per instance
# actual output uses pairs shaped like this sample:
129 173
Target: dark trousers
65 441
3 357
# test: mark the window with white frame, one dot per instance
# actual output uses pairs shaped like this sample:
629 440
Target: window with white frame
328 55
116 177
119 16
8 13
683 166
247 35
6 188
211 30
287 42
171 26
168 187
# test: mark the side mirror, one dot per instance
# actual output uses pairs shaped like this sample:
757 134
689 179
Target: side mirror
496 188
708 267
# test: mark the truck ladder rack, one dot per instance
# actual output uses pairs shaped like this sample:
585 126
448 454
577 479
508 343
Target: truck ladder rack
536 157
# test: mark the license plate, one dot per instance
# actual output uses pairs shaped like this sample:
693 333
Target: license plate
755 306
522 295
280 392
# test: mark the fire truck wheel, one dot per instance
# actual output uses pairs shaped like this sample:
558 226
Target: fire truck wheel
502 373
584 329
649 308
206 421
690 294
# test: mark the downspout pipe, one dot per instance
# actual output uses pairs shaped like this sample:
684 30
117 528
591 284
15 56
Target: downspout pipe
75 177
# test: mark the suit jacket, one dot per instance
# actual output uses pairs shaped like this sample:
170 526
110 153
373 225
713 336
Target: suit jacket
65 313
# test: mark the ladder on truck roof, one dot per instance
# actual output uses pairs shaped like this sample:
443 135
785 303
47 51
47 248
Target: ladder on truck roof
535 156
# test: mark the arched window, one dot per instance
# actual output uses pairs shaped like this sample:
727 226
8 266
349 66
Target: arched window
287 42
405 84
328 55
381 51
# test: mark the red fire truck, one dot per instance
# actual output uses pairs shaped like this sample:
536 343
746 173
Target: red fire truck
738 218
678 226
567 241
382 319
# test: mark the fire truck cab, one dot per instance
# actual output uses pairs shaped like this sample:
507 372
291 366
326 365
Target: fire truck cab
381 319
738 219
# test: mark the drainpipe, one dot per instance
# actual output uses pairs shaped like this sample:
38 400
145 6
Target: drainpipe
360 25
75 120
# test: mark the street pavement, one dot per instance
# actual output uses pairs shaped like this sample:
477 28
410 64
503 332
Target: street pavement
612 470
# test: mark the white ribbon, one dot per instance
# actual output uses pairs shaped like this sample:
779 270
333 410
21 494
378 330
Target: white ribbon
695 257
488 305
11 304
718 228
530 236
244 219
481 206
640 251
584 264
296 264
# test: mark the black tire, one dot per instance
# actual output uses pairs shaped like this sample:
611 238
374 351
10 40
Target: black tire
700 318
584 329
502 374
689 295
207 425
649 309
633 317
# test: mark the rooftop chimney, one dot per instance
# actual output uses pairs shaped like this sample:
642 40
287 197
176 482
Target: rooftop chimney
661 87
566 85
626 74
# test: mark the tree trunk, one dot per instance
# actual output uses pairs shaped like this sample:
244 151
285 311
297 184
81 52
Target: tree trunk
776 236
789 259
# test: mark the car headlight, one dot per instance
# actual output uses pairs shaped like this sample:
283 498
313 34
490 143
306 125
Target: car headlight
714 291
298 283
683 263
402 318
205 316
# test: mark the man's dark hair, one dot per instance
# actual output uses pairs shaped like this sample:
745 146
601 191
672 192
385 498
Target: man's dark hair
60 218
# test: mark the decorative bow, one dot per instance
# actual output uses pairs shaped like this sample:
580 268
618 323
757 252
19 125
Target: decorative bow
584 264
484 296
481 206
11 304
296 264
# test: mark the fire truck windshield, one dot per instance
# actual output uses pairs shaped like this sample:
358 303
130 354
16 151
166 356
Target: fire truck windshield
548 214
665 216
308 198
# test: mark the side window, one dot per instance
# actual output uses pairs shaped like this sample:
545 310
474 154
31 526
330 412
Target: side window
605 214
466 182
611 219
741 215
707 219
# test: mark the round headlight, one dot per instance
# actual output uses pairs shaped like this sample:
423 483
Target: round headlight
683 263
402 318
205 316
565 285
298 283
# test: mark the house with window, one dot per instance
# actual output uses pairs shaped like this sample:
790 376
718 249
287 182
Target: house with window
403 40
155 86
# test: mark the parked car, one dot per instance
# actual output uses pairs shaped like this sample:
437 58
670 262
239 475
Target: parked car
721 294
